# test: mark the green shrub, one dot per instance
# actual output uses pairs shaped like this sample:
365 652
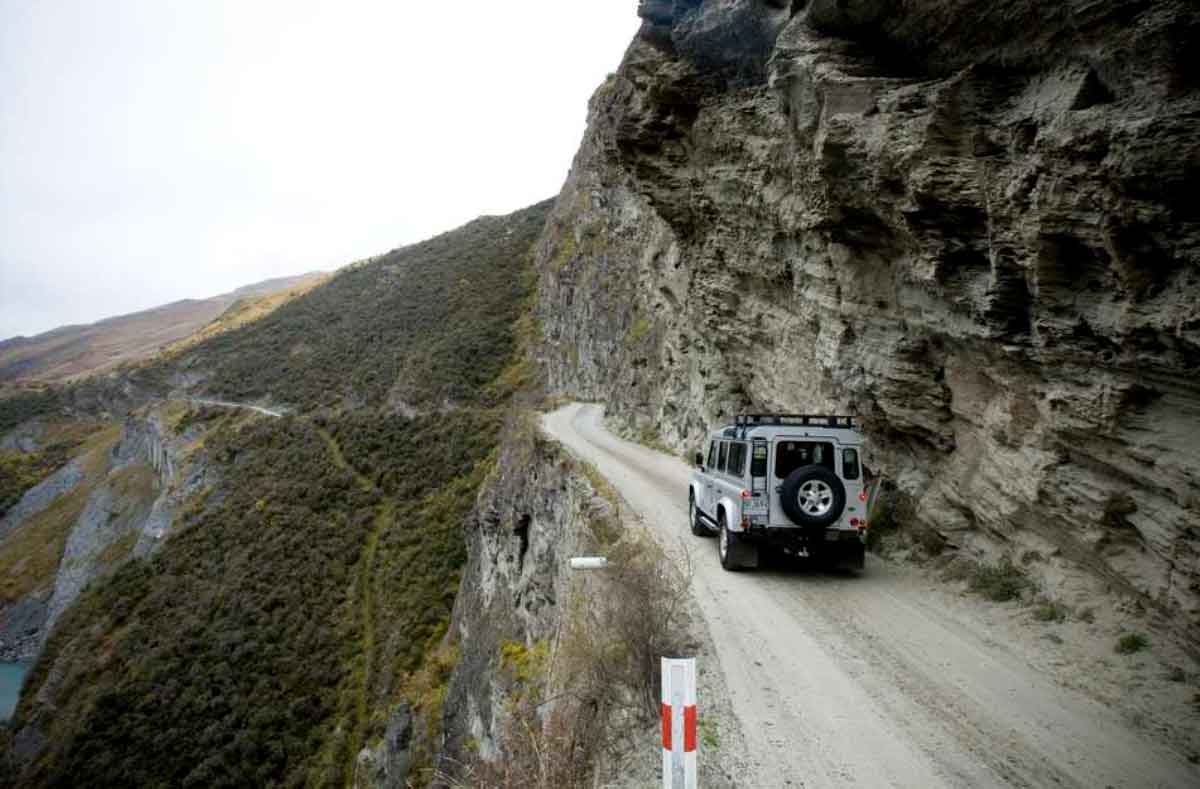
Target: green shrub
1049 611
998 583
1130 643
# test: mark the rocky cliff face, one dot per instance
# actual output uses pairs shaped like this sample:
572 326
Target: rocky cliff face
970 223
537 510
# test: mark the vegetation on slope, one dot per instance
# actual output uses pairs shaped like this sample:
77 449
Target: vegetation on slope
269 638
24 405
216 662
29 556
59 442
247 310
426 325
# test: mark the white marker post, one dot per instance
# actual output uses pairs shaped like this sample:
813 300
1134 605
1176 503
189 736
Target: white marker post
679 723
589 563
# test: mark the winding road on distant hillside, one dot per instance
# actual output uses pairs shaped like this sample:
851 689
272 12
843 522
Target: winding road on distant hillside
258 409
869 680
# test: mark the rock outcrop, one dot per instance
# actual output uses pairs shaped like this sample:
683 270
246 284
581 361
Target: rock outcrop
536 511
970 223
129 495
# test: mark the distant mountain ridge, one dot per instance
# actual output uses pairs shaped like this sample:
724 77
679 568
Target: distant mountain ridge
72 351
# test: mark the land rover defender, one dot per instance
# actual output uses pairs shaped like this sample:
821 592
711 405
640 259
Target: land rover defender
792 482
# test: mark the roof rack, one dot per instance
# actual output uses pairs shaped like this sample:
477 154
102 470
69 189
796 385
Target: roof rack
802 420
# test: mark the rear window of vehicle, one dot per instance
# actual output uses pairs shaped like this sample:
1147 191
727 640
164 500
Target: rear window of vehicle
712 455
721 457
791 455
737 459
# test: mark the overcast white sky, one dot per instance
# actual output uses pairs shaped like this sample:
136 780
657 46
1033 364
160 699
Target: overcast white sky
152 150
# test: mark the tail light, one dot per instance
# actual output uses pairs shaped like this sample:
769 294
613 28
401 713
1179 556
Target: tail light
862 495
746 494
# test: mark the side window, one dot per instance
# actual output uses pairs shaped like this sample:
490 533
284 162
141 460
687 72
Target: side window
722 455
758 459
737 459
712 456
850 463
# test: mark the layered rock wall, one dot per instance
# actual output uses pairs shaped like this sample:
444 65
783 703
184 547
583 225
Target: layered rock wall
974 224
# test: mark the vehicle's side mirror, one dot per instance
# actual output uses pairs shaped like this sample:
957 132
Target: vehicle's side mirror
700 459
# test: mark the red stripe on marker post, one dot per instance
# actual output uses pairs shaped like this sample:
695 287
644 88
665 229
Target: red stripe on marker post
666 726
689 729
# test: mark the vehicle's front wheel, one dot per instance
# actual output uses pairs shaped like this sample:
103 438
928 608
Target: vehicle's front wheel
697 523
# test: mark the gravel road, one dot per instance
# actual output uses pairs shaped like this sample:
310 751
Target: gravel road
258 409
870 679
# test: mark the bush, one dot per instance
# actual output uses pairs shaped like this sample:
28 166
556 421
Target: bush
1049 611
998 583
1130 643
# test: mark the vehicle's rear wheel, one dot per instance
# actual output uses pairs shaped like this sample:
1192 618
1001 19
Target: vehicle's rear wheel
694 518
730 546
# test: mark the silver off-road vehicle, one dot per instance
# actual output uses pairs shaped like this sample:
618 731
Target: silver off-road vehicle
793 482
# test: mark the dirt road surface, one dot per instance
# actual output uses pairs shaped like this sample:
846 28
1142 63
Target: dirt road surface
866 679
245 406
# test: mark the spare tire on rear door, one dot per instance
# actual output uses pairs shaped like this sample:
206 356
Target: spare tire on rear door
813 496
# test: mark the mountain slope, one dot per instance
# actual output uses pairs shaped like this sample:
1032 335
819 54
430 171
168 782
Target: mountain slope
427 325
74 351
301 591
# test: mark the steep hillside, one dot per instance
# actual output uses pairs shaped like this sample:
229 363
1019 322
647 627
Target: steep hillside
249 307
420 328
75 351
299 596
968 222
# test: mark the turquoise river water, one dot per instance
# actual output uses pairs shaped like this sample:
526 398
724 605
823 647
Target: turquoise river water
11 675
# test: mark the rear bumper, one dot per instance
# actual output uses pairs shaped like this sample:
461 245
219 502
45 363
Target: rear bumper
832 547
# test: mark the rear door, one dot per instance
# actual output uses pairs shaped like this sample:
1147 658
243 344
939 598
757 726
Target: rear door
794 453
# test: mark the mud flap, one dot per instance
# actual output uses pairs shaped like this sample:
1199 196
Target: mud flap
743 553
844 555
